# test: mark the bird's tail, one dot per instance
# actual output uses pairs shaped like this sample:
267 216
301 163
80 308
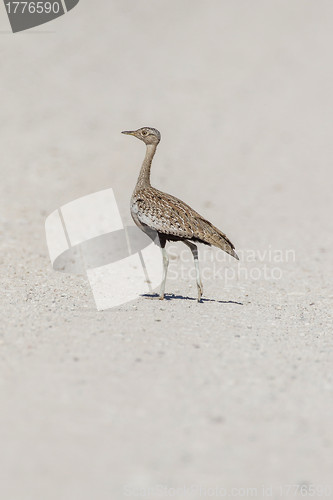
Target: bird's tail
213 236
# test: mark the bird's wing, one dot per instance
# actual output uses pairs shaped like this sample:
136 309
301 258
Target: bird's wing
163 213
169 215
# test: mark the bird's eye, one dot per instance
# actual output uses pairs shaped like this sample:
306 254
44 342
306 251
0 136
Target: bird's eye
144 132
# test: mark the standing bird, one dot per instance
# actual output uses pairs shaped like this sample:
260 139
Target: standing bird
171 218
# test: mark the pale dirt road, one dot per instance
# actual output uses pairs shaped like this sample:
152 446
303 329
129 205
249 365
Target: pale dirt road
222 394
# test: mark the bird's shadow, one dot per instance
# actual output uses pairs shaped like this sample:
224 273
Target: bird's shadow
172 296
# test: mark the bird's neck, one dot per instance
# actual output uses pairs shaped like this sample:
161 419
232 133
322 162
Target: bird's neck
144 176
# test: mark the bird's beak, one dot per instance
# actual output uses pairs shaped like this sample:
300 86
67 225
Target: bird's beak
129 132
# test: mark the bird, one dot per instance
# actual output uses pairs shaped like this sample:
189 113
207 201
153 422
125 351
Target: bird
169 217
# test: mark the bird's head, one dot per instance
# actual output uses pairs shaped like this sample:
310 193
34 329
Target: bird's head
148 135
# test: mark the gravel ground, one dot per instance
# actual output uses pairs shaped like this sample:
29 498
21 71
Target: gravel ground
232 393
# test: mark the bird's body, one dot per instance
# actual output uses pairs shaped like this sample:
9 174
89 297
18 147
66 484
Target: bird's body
171 218
174 220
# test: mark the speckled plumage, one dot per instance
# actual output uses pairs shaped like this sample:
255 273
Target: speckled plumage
170 217
174 219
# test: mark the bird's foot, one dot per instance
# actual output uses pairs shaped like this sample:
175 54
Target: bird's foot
156 297
200 292
153 297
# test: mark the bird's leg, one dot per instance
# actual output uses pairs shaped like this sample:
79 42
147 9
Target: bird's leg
165 270
194 251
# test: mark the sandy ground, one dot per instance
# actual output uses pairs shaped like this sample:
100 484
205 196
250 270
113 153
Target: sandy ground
232 393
